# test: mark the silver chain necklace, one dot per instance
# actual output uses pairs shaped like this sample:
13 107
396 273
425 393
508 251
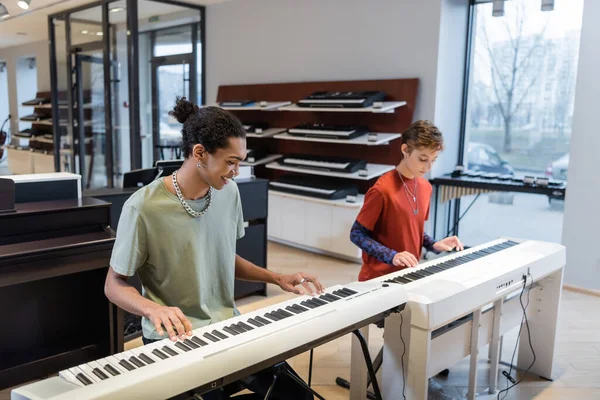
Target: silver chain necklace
184 203
413 195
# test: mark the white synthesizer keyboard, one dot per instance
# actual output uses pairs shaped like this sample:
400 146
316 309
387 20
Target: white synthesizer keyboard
223 352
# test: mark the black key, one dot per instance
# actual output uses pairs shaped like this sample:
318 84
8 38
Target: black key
401 279
248 327
287 314
136 361
315 303
160 354
255 322
241 327
182 346
329 297
307 304
434 269
425 272
272 317
126 365
191 344
340 293
99 374
419 274
170 351
349 290
146 359
397 280
199 341
412 276
262 320
231 331
219 334
299 308
319 301
83 379
113 371
292 309
279 314
211 337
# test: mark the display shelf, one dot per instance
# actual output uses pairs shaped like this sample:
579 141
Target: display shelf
256 106
267 159
381 139
373 171
340 202
266 133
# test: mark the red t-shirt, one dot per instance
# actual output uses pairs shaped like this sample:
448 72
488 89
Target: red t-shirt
388 214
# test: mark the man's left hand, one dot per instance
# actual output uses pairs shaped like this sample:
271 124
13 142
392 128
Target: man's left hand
310 284
448 244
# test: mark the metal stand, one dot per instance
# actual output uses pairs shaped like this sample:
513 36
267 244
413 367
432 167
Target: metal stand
281 369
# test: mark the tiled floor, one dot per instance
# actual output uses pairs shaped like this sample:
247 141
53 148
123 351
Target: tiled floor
577 359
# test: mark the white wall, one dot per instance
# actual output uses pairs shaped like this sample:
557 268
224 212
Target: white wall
11 55
268 41
582 205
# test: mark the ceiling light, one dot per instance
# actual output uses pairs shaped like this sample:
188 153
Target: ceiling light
24 4
99 34
498 8
116 9
85 32
3 11
547 5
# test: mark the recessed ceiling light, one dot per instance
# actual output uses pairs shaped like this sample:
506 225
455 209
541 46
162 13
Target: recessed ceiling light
24 4
85 32
116 9
99 34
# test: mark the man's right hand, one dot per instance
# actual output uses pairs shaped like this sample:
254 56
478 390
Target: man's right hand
405 259
165 318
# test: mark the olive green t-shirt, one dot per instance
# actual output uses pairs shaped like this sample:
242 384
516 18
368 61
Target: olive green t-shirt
181 261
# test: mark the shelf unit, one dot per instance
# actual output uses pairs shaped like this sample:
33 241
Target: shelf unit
380 139
268 106
312 223
266 133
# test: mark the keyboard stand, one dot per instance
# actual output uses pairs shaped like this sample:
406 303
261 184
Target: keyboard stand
281 369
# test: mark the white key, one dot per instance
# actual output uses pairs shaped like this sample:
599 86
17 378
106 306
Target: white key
95 364
114 361
70 377
89 373
77 370
147 351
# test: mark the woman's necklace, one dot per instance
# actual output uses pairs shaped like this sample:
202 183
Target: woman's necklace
413 195
184 203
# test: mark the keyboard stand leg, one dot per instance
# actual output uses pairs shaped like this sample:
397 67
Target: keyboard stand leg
494 353
358 371
474 354
281 369
542 315
367 357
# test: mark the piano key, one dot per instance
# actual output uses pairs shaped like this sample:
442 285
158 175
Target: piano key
349 291
419 274
136 361
70 377
219 334
329 297
286 313
319 301
99 374
138 351
114 362
198 341
292 309
230 330
307 304
83 379
211 337
255 322
96 365
240 328
111 370
262 320
426 272
169 351
401 279
146 358
248 327
127 365
160 354
278 314
340 293
89 372
299 308
86 371
273 317
182 346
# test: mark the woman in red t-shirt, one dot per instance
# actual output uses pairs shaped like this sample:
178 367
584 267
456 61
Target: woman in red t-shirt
390 226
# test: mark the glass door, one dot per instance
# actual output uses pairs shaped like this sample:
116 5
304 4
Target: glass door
170 78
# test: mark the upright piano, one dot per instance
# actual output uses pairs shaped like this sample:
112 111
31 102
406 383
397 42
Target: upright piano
54 256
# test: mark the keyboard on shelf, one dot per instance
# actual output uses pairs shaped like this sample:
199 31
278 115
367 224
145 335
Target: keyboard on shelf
37 101
253 155
313 187
236 103
35 117
326 163
342 99
223 352
328 131
255 127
